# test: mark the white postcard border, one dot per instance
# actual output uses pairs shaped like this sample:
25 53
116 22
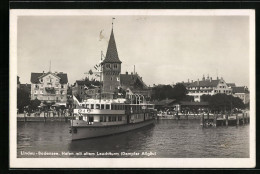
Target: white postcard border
126 162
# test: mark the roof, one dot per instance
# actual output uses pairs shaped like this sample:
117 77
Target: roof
127 79
204 83
88 84
112 55
130 79
35 77
187 103
231 84
164 102
240 89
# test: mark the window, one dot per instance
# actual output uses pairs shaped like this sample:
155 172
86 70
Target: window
63 86
113 118
107 107
102 106
87 106
115 66
92 106
111 78
97 106
109 119
108 65
119 118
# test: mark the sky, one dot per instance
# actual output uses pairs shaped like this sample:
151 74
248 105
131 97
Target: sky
164 49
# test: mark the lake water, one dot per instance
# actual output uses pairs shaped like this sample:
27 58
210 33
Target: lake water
165 139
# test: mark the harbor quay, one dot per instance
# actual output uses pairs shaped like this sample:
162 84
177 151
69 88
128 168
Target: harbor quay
43 117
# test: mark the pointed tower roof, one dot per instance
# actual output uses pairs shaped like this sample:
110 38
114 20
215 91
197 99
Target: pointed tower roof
112 55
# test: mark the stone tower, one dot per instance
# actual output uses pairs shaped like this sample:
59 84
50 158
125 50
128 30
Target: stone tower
111 68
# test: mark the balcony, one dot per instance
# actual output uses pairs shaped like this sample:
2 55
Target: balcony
50 90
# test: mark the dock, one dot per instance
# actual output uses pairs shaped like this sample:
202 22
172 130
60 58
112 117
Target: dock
209 120
43 117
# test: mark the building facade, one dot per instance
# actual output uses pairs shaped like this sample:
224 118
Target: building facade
207 86
241 92
133 84
49 87
85 90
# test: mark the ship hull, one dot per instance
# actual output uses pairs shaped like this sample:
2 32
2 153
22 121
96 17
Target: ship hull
91 132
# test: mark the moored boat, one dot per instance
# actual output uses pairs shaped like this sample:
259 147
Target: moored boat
94 118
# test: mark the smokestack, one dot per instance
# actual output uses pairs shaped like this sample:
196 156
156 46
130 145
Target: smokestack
210 79
198 82
126 73
188 80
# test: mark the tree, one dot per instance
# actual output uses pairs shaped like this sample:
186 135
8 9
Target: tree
223 102
23 99
161 92
179 92
34 104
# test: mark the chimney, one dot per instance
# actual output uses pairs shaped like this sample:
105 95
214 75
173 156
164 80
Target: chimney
191 81
188 80
217 77
198 82
126 73
43 72
210 79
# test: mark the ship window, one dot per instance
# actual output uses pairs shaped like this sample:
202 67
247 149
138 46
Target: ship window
97 106
109 118
114 118
107 107
91 119
102 106
92 106
101 118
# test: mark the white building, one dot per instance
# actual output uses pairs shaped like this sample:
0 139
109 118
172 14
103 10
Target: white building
207 87
49 87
